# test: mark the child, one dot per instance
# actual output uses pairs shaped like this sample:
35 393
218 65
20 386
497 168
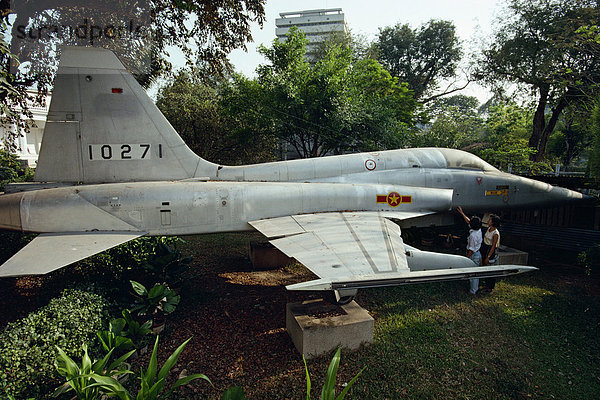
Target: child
473 245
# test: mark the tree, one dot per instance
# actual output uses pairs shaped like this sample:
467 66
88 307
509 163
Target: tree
11 170
421 57
14 98
571 136
203 30
594 156
336 105
198 112
538 45
456 123
506 131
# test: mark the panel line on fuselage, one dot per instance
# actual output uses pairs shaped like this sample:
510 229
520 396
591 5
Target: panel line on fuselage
388 245
360 245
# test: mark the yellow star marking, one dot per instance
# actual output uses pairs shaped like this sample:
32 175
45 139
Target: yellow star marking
394 199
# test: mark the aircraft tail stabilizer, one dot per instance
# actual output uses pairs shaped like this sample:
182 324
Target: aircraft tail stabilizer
51 251
103 127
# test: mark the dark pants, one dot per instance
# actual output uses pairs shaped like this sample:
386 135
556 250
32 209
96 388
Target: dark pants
488 283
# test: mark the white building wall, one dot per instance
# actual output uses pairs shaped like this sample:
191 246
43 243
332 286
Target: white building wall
28 146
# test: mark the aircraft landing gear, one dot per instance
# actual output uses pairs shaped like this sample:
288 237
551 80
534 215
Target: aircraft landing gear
341 297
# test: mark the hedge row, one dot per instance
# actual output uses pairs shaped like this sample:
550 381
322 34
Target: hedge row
28 346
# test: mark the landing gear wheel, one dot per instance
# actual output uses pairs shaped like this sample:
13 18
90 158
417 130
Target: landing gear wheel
345 300
340 297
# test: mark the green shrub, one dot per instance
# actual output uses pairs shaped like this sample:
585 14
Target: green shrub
11 242
153 381
590 259
121 263
28 346
11 169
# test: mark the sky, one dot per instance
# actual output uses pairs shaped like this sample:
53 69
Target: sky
473 19
469 16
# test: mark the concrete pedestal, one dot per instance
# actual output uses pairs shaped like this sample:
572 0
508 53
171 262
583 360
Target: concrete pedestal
510 256
317 327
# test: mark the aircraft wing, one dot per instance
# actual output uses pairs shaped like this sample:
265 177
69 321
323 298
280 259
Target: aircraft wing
359 250
50 251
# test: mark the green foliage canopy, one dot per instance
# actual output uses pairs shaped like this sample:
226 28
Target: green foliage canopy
204 31
421 57
336 105
594 161
507 129
207 119
539 45
456 123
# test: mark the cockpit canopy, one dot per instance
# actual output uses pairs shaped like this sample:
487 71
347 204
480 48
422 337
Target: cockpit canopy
463 160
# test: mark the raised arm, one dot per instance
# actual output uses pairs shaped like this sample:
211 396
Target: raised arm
460 211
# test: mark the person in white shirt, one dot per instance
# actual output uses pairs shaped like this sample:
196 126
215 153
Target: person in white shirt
489 248
473 245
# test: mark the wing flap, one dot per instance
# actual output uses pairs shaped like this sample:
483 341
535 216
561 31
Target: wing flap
308 249
51 251
273 227
292 225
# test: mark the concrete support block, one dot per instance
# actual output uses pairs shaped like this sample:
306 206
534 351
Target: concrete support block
317 327
265 256
510 256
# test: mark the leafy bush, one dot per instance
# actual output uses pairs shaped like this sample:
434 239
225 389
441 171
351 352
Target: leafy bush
328 391
124 333
113 338
158 300
11 170
28 346
168 264
124 261
590 259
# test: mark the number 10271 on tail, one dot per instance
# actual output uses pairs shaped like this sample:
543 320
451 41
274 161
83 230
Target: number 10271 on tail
125 151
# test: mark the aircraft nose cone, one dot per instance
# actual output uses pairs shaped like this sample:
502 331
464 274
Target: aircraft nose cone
560 194
10 211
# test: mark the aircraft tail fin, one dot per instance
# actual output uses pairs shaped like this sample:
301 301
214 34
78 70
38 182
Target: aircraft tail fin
103 127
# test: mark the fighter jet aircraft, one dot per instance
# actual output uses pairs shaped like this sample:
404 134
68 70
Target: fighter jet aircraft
111 169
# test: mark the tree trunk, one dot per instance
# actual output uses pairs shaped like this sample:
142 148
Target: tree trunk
556 111
539 121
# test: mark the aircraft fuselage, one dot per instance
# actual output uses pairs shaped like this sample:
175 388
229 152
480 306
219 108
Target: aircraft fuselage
195 207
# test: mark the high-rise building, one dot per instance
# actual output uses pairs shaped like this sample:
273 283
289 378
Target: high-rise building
317 25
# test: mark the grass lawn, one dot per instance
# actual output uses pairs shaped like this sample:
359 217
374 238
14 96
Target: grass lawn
535 336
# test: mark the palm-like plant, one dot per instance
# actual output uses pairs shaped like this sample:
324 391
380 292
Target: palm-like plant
328 391
152 380
80 378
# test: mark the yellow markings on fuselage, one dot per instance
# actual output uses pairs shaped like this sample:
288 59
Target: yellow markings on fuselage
497 192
